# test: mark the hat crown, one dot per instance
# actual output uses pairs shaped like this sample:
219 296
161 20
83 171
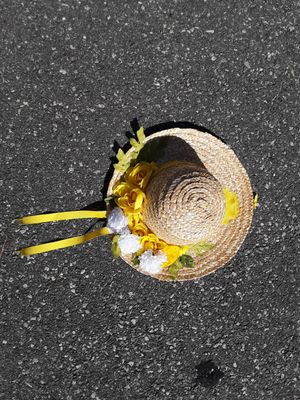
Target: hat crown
184 203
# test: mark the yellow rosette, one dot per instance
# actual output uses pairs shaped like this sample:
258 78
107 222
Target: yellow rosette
139 229
129 198
140 174
151 242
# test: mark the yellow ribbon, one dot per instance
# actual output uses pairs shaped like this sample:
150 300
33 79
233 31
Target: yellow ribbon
60 244
62 216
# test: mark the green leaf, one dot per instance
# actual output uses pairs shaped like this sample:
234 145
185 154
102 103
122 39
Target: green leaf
134 155
175 268
121 167
120 154
110 201
135 260
200 248
118 167
141 135
135 144
187 261
115 246
115 238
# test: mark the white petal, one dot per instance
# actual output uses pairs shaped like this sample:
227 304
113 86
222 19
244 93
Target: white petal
129 244
116 220
152 264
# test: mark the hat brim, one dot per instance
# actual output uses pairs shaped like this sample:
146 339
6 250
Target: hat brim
221 161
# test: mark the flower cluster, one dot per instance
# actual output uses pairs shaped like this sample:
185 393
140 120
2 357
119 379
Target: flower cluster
135 238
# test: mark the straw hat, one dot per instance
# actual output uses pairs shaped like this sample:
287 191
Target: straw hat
185 202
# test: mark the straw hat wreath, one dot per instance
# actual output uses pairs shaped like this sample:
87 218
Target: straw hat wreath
179 206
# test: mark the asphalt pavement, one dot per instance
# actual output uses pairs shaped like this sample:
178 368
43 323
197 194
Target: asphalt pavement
74 76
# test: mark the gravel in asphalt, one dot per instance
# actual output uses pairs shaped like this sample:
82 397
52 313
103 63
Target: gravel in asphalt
77 324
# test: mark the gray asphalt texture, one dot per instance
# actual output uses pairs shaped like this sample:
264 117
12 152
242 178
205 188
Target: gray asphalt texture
77 324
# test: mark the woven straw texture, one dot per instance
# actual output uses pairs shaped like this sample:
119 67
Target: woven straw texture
184 204
222 167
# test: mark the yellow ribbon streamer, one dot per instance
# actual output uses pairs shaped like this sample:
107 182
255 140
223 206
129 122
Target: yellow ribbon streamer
60 244
62 216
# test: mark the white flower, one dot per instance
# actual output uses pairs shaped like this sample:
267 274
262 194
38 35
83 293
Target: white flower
152 263
117 221
129 244
125 231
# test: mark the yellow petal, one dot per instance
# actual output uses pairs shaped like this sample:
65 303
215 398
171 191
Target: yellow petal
184 249
232 206
139 199
133 219
140 174
255 201
172 253
139 229
122 188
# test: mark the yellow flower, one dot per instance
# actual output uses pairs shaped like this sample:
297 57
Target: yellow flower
152 242
184 249
129 198
140 174
172 253
232 206
122 188
133 220
139 229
